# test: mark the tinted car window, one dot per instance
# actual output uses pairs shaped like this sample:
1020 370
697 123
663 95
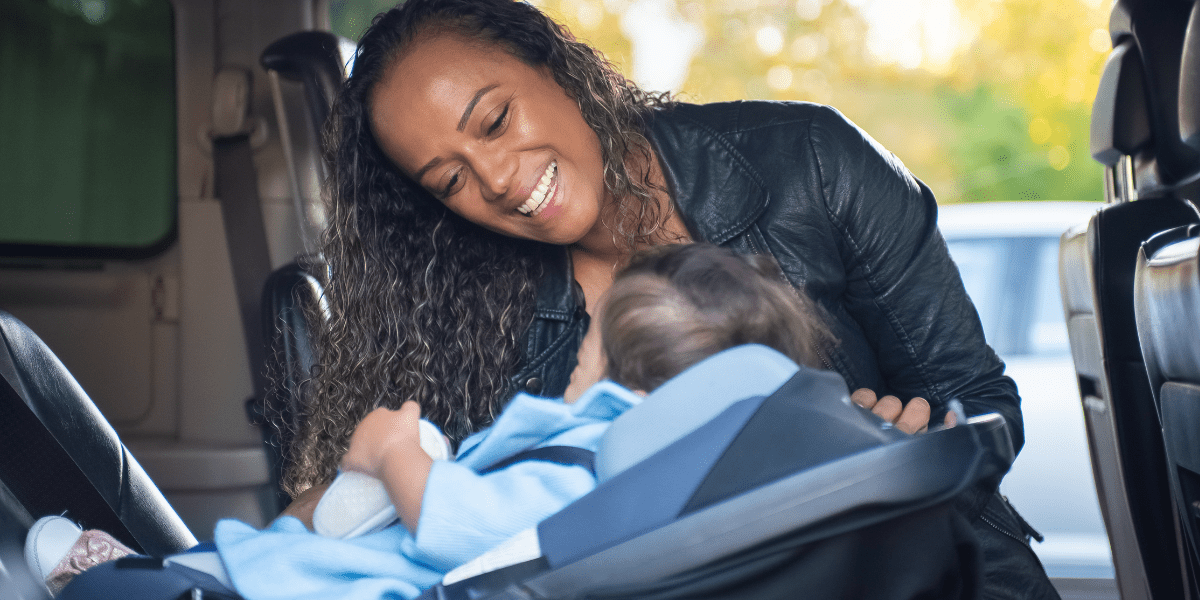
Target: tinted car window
1013 282
87 119
983 266
1048 326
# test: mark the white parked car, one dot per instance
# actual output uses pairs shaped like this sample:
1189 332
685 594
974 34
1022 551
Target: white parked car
1007 253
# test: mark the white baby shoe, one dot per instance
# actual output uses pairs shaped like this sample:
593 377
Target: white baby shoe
56 550
357 504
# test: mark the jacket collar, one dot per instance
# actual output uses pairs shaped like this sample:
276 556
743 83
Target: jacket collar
559 295
717 191
718 194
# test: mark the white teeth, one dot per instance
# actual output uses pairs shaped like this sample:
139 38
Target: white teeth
538 197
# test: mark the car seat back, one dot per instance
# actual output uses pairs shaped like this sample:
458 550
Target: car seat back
1168 314
317 60
288 296
689 400
1134 121
59 455
1167 310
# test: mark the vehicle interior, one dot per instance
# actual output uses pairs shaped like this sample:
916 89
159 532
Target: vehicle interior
1129 303
152 347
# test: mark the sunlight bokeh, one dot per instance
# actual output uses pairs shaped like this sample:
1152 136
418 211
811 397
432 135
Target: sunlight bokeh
981 99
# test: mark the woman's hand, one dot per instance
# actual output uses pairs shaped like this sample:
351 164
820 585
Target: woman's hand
387 445
911 418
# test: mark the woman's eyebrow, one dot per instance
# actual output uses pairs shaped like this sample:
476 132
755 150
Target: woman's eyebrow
462 123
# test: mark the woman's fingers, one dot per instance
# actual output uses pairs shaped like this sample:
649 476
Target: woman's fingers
915 417
888 408
864 398
909 418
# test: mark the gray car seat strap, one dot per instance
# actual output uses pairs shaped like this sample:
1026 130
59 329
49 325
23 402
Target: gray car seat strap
563 455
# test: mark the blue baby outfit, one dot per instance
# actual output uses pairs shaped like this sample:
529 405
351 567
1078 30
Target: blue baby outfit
463 514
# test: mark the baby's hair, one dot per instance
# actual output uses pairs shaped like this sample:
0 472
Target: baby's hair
676 305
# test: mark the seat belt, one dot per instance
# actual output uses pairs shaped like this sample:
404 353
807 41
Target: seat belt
563 455
236 187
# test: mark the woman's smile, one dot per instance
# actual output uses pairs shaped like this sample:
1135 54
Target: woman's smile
539 200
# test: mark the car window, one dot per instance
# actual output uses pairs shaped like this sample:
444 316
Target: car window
87 119
982 264
1048 327
1013 282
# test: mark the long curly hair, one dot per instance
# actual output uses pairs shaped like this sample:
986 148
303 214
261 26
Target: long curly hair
422 304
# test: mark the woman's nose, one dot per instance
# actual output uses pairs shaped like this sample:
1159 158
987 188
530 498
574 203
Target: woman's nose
497 172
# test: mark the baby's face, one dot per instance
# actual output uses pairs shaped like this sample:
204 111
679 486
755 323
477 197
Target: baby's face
592 363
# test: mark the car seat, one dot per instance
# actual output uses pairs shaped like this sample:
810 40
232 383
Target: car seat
762 479
1167 310
59 455
1135 135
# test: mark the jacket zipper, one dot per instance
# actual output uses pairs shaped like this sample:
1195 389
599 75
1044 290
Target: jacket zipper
1001 529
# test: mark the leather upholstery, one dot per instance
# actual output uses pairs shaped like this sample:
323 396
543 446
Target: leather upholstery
286 294
99 469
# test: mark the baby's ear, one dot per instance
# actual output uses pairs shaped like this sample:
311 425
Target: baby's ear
641 393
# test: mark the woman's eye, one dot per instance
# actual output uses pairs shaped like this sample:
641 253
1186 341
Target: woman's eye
499 122
452 184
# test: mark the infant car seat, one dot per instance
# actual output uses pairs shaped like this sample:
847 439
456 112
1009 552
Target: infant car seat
747 476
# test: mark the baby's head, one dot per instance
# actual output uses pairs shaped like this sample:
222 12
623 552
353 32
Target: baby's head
676 305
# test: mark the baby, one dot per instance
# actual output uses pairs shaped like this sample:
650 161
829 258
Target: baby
670 308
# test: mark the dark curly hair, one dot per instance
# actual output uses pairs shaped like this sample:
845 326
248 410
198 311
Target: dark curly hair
423 304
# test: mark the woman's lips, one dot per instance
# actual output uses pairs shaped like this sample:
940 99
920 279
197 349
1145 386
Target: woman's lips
541 193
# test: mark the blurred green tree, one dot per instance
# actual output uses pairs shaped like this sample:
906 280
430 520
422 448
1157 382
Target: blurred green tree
982 99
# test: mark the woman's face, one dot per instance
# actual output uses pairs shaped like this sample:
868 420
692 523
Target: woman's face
497 141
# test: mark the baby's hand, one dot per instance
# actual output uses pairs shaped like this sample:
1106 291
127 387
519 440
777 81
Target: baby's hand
383 435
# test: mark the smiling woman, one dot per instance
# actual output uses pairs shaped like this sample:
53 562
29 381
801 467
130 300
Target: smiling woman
490 175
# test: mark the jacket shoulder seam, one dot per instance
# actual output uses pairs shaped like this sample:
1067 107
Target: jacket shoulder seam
884 308
742 162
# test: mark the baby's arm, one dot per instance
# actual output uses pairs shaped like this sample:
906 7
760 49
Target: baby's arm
387 446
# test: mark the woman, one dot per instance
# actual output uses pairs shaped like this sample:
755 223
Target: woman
490 175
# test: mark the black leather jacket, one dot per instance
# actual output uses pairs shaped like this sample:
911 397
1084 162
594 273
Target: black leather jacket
847 222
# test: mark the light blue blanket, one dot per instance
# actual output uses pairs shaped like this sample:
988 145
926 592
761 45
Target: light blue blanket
463 514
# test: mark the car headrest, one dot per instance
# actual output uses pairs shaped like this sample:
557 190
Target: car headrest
1156 31
1120 116
1189 82
688 401
1167 305
317 59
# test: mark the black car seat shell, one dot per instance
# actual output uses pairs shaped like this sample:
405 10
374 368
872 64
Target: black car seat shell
60 455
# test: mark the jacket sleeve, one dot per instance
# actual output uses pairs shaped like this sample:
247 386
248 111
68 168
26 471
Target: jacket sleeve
464 514
901 285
